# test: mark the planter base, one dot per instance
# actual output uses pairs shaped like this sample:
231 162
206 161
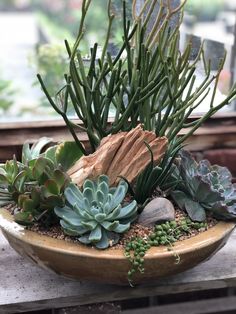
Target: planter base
85 263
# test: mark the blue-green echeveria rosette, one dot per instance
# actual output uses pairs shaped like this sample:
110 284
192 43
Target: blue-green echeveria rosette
204 187
95 214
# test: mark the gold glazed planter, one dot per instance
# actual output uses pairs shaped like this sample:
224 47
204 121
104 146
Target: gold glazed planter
85 263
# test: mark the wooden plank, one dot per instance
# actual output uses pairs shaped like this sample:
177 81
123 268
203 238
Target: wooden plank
25 287
215 306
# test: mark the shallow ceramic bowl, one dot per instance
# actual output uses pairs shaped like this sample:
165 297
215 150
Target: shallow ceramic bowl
80 262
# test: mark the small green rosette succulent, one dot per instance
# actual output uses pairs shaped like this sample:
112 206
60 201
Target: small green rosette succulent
202 187
95 215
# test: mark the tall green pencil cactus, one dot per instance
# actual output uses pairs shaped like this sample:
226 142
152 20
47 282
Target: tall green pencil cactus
148 81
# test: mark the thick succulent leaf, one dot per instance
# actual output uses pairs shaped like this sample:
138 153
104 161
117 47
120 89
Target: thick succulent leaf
72 230
37 147
204 192
90 225
106 208
29 205
223 211
51 188
88 194
104 242
83 213
62 179
126 211
40 165
119 194
19 180
122 228
50 154
105 189
80 229
195 211
110 226
179 198
24 218
35 150
129 219
187 166
74 196
100 196
114 214
100 217
85 239
95 210
66 212
35 196
89 184
67 154
103 178
52 201
95 234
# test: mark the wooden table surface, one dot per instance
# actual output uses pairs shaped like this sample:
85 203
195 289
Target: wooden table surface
25 287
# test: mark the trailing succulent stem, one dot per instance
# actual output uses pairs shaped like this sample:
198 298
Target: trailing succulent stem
148 81
202 187
96 215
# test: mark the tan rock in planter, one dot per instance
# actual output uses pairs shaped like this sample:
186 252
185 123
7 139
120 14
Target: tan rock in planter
122 154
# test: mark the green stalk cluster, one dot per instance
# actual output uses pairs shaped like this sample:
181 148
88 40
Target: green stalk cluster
149 81
163 234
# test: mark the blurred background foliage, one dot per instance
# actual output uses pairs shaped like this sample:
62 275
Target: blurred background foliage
56 20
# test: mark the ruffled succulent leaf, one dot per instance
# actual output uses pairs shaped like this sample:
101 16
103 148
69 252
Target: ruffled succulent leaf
195 210
205 187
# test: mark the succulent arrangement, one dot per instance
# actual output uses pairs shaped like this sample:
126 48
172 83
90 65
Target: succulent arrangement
96 215
149 82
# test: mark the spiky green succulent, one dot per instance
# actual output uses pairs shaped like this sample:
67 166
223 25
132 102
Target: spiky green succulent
203 187
95 215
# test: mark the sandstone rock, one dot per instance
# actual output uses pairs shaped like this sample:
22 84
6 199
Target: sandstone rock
159 209
122 154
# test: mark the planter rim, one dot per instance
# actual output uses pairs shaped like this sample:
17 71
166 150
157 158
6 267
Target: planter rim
8 225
